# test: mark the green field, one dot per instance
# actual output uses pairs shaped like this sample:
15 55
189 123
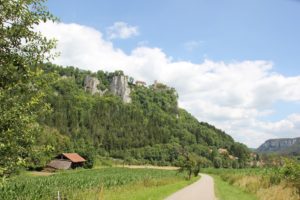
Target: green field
106 183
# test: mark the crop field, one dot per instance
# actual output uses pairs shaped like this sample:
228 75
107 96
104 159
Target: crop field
83 184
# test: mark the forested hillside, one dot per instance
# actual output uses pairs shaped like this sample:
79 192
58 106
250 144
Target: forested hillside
150 129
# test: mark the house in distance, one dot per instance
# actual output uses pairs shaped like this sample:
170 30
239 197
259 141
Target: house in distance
66 161
140 83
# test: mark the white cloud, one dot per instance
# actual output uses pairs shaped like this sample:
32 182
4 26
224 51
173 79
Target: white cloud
121 30
233 96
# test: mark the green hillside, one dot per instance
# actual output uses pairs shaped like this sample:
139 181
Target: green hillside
150 129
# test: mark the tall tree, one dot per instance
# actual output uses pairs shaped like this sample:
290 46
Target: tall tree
22 51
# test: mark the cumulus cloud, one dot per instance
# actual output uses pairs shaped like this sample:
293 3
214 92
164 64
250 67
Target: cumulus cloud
233 96
121 30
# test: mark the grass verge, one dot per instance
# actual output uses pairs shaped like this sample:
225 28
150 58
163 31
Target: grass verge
151 190
265 183
225 191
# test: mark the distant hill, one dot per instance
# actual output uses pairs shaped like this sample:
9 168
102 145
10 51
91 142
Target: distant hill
286 146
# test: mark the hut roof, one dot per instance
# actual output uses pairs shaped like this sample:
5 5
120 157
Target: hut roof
74 157
60 164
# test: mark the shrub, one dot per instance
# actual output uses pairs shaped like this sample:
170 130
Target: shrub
291 172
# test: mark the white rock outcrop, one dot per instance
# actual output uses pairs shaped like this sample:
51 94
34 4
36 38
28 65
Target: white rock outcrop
90 85
119 86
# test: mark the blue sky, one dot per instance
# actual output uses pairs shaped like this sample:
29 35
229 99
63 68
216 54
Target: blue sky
226 30
216 36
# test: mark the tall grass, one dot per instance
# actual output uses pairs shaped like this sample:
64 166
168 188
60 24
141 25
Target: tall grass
282 183
225 191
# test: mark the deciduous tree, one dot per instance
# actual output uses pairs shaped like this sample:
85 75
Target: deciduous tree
22 51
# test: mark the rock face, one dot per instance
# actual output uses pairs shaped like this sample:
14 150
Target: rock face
119 86
278 145
90 85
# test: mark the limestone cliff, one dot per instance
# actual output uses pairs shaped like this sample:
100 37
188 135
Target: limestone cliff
119 86
279 145
90 85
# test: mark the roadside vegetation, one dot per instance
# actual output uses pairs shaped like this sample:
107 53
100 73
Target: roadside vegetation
265 183
226 191
106 183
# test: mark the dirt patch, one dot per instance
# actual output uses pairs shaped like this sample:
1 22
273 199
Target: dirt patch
41 173
149 167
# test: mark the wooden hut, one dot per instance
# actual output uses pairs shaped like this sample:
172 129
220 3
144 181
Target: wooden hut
66 161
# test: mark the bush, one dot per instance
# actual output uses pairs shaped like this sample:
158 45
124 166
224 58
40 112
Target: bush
291 172
89 156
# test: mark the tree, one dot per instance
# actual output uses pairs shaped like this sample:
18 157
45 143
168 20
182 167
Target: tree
242 152
191 163
22 52
217 161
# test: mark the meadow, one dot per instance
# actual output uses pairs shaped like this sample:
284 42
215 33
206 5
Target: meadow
259 183
105 183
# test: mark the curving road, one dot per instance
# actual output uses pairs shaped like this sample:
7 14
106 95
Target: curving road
203 189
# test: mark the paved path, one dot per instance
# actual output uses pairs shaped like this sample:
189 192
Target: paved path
200 190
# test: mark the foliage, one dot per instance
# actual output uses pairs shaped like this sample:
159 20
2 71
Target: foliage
22 50
191 163
291 172
89 155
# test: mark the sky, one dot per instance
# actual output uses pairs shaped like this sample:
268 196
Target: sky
235 64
